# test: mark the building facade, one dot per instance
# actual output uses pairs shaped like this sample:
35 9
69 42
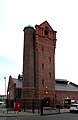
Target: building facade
66 93
13 91
38 80
39 62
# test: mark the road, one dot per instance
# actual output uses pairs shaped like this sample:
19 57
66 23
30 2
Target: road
65 116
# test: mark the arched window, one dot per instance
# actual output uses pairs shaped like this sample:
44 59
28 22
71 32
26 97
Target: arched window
46 31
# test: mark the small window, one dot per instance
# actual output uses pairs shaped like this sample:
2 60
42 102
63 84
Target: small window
50 59
42 81
46 31
50 75
37 49
42 65
42 49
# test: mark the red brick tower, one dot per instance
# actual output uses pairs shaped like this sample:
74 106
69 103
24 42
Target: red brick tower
28 89
39 63
45 43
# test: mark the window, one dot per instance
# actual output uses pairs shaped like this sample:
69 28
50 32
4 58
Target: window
42 65
42 49
42 81
46 31
49 74
37 49
50 59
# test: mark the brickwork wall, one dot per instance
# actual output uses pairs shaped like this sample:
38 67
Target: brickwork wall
11 91
28 62
45 63
62 95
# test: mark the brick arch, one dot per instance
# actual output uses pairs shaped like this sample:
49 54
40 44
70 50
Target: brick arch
46 102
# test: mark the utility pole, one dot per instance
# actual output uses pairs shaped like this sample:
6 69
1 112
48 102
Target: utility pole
5 85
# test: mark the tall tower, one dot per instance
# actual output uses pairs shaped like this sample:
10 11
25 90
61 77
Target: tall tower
28 89
45 44
39 63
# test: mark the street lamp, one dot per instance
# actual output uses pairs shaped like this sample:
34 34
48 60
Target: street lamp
5 85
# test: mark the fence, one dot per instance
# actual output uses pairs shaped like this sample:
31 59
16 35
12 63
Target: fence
33 105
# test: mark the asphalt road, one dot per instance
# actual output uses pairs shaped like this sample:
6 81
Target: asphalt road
65 116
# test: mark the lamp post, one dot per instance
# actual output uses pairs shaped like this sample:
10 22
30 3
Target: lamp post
5 85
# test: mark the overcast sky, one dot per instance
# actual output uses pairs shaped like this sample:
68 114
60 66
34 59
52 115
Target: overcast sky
62 15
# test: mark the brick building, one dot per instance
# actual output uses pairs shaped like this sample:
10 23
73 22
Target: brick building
13 90
38 80
65 91
39 62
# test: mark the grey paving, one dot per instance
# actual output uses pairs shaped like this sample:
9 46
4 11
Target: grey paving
66 116
3 112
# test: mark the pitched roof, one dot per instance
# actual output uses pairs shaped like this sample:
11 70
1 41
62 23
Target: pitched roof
62 86
45 23
15 81
61 80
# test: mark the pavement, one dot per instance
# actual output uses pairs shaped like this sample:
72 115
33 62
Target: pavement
4 113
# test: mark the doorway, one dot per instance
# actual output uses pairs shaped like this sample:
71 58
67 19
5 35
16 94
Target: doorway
46 102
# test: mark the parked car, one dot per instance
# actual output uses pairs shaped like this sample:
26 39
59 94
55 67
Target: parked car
74 108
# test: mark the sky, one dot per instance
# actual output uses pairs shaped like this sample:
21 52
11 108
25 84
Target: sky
62 15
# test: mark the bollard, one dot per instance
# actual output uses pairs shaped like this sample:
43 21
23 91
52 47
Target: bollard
42 107
33 106
59 110
24 105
